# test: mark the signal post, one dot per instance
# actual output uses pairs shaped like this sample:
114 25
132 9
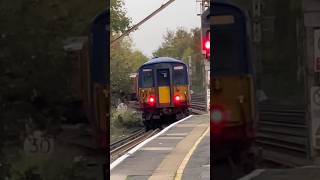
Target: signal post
205 44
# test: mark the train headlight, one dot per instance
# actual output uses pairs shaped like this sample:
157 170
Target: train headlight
218 118
216 115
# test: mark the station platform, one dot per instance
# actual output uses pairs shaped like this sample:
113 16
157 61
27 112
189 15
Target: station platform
306 173
180 151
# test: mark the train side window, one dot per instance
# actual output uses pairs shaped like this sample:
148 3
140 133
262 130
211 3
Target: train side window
224 43
179 75
147 78
163 77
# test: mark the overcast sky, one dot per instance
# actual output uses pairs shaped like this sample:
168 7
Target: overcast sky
180 13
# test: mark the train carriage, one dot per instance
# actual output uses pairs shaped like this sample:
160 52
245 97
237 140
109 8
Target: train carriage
232 81
163 90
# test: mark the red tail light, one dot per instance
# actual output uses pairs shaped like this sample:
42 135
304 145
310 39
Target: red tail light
177 100
151 100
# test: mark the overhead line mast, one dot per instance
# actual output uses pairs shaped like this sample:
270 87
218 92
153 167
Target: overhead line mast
135 27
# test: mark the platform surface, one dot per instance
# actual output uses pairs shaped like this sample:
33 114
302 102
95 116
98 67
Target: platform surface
163 156
301 173
198 166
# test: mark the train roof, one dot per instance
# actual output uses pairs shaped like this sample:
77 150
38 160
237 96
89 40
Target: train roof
162 60
230 4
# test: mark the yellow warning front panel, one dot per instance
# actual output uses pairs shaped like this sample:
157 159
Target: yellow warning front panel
164 95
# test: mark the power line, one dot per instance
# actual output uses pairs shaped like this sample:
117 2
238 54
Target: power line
135 27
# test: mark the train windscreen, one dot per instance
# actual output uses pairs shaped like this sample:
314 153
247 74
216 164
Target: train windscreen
163 77
180 75
146 78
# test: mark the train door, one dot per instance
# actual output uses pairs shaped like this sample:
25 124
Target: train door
163 81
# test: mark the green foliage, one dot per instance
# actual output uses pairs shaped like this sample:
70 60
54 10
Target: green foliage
124 123
175 44
128 119
119 20
123 61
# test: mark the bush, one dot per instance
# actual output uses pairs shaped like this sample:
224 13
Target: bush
127 119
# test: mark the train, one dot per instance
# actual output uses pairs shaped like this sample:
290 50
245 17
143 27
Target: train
162 91
233 112
97 96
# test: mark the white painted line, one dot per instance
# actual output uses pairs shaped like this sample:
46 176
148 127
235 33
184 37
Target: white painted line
156 148
253 174
133 150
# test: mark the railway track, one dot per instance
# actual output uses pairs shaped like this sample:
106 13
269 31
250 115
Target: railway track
282 132
122 146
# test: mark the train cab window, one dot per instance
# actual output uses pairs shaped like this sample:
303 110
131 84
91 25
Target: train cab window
163 77
146 78
179 75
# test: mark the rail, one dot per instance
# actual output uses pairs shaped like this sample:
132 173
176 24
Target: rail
120 142
282 130
122 146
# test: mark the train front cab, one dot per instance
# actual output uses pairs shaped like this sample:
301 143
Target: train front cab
163 91
233 111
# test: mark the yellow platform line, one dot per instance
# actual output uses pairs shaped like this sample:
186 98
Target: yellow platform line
188 156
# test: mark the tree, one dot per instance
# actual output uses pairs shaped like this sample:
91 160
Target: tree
123 61
119 20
